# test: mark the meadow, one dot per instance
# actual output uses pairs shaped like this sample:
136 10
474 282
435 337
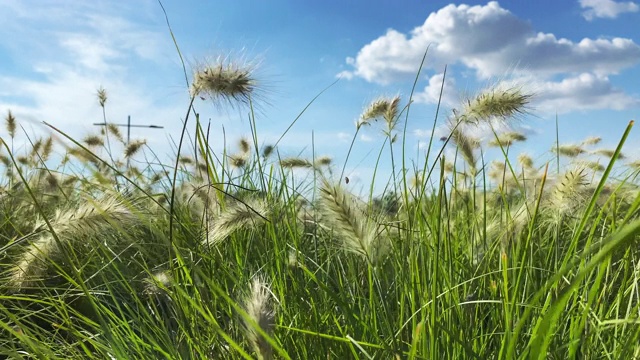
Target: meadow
249 254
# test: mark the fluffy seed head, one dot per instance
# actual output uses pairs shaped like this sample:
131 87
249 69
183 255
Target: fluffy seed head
11 124
133 147
93 140
224 80
507 139
245 147
568 150
259 308
497 102
525 161
385 108
296 163
102 96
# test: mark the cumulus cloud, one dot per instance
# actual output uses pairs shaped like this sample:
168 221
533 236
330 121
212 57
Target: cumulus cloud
491 41
431 93
583 92
608 9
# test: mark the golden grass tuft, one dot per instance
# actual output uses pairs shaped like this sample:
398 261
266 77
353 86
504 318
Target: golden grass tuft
133 147
568 150
260 314
467 146
240 215
295 162
11 124
507 139
498 102
358 234
224 80
569 191
90 218
385 108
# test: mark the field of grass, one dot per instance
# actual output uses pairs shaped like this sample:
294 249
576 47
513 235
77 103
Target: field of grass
250 255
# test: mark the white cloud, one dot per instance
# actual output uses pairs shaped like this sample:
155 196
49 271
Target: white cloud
72 54
608 9
366 138
583 92
344 137
492 41
431 92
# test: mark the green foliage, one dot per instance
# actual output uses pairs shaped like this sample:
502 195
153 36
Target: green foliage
234 256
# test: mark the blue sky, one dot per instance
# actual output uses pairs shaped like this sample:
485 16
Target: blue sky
581 57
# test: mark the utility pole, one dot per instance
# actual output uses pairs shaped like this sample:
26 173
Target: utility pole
128 125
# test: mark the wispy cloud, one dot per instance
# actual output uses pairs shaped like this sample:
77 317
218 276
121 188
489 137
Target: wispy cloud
607 9
490 40
78 48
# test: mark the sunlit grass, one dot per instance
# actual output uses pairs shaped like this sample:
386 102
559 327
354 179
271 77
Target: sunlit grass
235 255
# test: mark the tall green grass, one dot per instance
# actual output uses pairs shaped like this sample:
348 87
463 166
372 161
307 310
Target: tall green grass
235 255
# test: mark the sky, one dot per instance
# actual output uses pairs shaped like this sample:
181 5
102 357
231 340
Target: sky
581 59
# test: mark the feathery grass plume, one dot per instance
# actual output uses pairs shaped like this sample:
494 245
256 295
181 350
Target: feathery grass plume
133 147
449 167
23 160
157 283
569 192
507 139
635 165
73 225
35 149
508 228
496 170
102 96
608 153
525 161
93 140
245 146
568 150
500 101
238 160
323 161
267 151
10 122
51 180
186 160
224 80
467 146
594 165
342 213
47 149
5 160
114 130
295 162
592 140
417 180
385 108
260 314
248 214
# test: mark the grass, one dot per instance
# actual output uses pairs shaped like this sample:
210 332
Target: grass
235 255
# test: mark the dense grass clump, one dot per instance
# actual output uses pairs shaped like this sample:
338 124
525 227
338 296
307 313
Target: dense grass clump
234 256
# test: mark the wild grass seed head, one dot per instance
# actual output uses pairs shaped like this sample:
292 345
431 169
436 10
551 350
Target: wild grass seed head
356 231
260 311
240 215
223 80
11 124
102 96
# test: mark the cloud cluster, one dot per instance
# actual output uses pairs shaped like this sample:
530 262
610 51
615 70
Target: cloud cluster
607 9
492 41
72 54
